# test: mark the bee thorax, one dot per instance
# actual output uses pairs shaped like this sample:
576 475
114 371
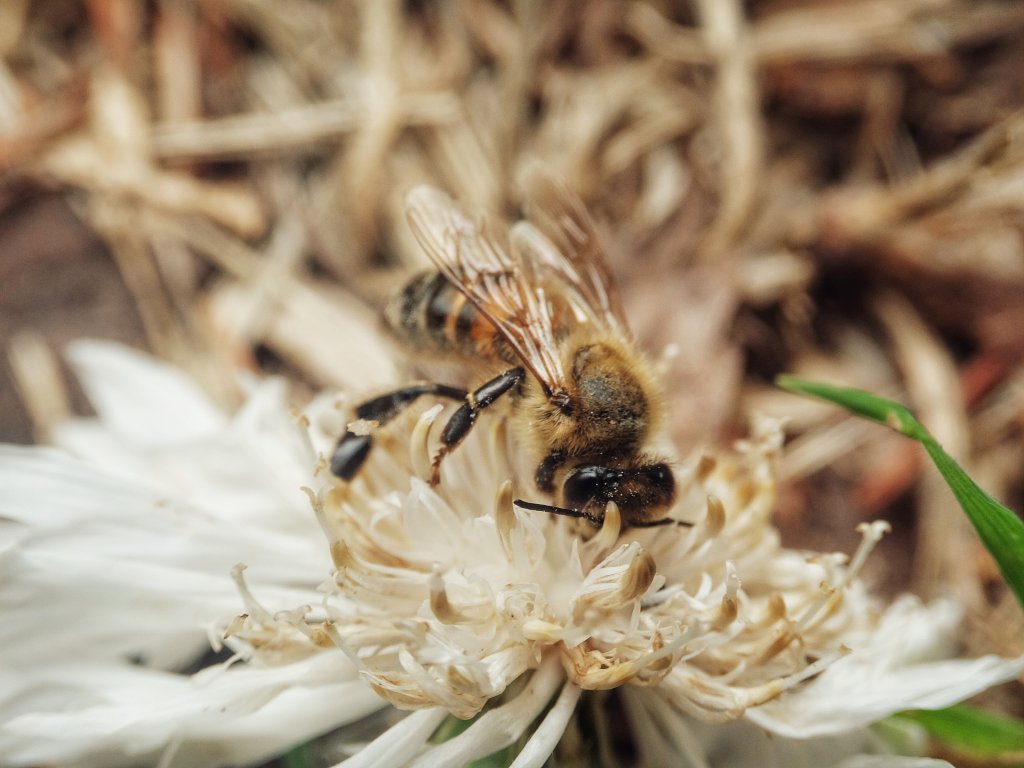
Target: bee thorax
611 404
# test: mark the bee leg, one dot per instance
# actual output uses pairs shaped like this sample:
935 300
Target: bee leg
464 418
350 454
545 474
352 449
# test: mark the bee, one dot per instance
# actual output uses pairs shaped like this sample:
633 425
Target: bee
545 309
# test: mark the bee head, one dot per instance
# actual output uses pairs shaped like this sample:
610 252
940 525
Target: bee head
643 493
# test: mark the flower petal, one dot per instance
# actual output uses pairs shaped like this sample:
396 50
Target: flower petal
104 568
123 385
892 761
741 744
891 669
542 743
400 743
124 715
499 727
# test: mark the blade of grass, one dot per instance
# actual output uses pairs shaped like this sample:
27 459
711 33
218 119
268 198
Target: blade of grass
999 529
970 729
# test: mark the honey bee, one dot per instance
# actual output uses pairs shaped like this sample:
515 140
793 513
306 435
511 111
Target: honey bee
544 308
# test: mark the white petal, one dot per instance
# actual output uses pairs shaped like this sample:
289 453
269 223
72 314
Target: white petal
663 735
127 715
96 567
741 744
249 469
499 727
123 385
889 670
542 743
397 745
892 761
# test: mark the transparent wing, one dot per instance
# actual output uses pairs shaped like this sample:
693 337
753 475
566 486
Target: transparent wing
560 239
504 289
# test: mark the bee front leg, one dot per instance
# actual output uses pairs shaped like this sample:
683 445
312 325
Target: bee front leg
352 449
464 418
544 477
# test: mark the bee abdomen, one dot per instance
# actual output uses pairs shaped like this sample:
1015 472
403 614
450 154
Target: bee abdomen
433 314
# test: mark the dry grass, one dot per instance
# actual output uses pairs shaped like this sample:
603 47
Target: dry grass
830 188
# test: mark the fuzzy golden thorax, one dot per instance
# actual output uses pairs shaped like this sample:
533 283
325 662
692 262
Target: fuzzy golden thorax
612 403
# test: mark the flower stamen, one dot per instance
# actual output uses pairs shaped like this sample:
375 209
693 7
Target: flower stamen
419 442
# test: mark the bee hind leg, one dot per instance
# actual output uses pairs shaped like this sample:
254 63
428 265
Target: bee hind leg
353 448
462 421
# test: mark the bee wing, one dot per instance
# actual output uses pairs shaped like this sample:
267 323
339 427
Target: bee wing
504 289
561 238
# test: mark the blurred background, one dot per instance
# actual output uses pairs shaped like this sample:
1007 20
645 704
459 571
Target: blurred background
832 188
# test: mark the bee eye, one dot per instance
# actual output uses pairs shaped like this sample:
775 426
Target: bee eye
583 485
660 476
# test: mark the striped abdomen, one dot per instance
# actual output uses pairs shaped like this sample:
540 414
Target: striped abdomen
432 314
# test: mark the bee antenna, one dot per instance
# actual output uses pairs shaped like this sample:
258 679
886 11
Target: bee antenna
579 513
662 521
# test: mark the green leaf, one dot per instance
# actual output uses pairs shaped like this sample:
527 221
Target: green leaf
451 727
503 758
299 757
999 529
971 729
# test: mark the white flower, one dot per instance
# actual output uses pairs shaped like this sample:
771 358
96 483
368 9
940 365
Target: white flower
119 571
117 564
